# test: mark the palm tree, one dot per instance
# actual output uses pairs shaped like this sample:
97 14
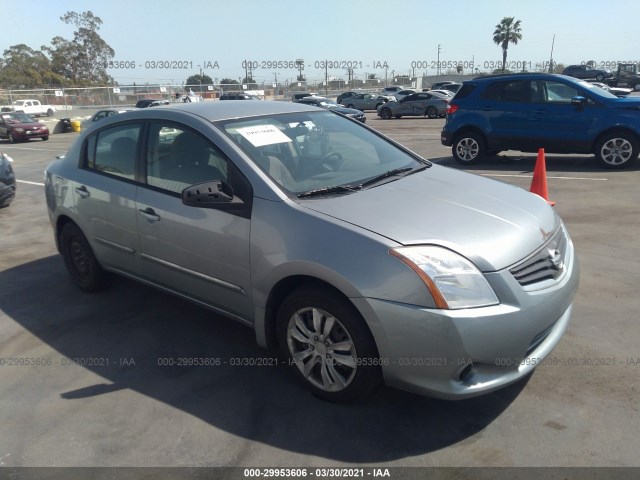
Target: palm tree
506 32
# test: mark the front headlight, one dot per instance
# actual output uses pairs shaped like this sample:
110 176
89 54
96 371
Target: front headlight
454 282
19 130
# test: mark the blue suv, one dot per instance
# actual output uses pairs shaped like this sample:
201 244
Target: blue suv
526 112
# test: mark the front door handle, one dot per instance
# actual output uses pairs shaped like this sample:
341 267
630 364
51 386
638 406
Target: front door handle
83 192
150 214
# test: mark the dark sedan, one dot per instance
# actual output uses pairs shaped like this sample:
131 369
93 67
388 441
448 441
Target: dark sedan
585 72
323 102
20 127
7 181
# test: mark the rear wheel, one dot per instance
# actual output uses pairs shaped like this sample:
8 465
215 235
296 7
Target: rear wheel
328 343
432 112
386 113
616 150
469 148
79 259
50 113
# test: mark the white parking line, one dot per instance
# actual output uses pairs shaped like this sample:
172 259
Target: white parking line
30 183
555 178
28 148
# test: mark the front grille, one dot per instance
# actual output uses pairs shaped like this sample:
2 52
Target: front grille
547 263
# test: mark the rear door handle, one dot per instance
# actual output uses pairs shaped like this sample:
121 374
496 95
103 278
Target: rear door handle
83 192
150 214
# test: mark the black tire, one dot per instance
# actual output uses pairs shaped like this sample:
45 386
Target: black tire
600 77
50 113
79 259
310 321
469 148
44 139
12 139
431 112
385 113
616 150
350 106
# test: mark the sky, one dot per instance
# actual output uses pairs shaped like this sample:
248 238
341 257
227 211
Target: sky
168 41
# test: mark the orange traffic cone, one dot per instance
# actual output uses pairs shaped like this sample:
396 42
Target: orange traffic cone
539 182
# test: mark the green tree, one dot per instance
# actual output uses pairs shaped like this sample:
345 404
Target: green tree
23 67
506 32
84 59
199 82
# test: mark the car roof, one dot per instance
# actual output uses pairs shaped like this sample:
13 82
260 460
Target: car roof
214 111
529 75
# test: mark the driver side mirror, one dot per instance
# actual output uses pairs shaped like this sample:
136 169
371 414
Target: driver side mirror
210 194
578 101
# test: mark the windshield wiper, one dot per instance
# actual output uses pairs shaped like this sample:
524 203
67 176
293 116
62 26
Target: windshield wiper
350 188
329 190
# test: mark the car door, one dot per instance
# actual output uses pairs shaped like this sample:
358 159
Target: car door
557 123
505 106
104 193
202 253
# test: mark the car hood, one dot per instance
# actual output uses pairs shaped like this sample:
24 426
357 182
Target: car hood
625 103
26 125
493 224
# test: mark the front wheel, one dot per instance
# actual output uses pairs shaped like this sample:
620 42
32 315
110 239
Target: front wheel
469 148
328 344
616 150
79 259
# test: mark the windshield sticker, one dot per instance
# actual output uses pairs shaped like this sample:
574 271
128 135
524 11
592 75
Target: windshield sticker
262 135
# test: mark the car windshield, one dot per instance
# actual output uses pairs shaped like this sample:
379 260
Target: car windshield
320 152
17 117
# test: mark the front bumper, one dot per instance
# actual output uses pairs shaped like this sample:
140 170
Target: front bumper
457 354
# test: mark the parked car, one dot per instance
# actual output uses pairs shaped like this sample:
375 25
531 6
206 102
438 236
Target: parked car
20 127
7 181
100 114
365 101
526 112
392 90
237 96
447 93
439 85
400 94
362 261
151 102
323 102
452 87
345 95
617 91
424 104
300 95
585 72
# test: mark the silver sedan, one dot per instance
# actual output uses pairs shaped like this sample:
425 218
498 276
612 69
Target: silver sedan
361 261
424 104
